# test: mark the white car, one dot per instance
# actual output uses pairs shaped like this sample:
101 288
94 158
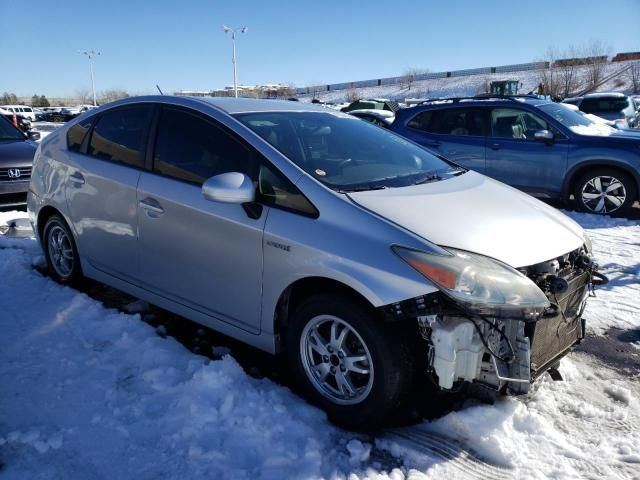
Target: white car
21 110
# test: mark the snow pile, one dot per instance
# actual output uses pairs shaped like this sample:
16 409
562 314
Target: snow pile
89 392
617 250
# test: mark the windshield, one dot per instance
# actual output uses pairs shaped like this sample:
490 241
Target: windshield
575 121
346 153
8 131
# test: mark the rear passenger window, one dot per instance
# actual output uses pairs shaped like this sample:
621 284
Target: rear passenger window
421 121
77 133
599 105
461 122
119 135
191 148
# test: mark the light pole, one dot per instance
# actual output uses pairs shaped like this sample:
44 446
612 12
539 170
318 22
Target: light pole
233 40
90 54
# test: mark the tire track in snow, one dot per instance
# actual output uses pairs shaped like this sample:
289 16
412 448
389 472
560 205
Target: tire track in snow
453 452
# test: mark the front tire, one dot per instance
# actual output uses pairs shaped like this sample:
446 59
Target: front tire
347 362
60 251
604 191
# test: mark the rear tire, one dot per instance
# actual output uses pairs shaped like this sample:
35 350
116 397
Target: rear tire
60 251
347 362
604 191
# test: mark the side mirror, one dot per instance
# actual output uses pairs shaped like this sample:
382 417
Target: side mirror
32 135
544 135
232 187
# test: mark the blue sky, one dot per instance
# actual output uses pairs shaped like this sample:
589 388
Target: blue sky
180 44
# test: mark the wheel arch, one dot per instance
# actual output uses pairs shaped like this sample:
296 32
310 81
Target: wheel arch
578 169
294 294
44 214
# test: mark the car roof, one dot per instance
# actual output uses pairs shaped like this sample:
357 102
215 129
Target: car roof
605 94
474 102
228 105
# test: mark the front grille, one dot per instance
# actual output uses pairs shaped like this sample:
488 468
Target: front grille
552 337
23 173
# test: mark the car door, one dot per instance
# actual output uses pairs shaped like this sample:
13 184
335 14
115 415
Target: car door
102 177
458 134
516 158
199 253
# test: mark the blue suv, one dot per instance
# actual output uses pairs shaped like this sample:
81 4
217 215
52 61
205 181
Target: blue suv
547 149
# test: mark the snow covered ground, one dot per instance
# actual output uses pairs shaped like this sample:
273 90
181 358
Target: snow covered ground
88 392
467 86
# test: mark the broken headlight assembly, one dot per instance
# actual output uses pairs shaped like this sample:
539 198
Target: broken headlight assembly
481 285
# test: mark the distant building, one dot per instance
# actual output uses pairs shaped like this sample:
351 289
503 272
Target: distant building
267 90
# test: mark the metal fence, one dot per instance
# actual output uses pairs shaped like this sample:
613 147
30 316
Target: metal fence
518 67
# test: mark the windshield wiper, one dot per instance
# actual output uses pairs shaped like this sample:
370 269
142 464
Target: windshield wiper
428 178
361 189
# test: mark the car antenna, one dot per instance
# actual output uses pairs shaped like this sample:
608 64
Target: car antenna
158 87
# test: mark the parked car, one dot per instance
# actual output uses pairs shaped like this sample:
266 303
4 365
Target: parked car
21 110
382 118
538 146
363 257
62 115
611 106
372 104
16 156
23 123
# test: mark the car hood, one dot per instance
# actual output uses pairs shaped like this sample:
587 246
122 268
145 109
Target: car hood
17 154
475 213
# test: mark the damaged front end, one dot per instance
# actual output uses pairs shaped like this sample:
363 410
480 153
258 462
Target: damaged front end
473 339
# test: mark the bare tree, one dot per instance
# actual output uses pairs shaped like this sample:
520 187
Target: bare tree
633 74
352 95
596 53
568 69
83 95
562 77
111 95
410 75
549 78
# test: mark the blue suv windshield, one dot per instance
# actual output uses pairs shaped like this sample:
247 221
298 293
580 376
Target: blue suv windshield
346 153
575 121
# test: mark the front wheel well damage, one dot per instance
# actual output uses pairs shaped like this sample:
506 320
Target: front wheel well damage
302 289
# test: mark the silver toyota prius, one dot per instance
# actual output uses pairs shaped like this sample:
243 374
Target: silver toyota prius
363 257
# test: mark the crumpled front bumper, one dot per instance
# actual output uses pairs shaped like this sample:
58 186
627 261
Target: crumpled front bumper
506 355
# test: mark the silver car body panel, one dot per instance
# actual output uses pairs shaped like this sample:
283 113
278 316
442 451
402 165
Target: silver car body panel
211 263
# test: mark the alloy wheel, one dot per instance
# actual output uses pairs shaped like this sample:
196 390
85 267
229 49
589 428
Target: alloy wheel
336 360
60 251
603 194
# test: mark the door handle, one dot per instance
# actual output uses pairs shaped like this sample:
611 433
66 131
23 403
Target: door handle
77 177
495 146
151 205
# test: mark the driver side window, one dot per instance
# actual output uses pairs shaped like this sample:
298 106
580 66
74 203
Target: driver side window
516 124
191 148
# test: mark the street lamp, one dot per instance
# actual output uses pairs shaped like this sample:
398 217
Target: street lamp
233 40
90 54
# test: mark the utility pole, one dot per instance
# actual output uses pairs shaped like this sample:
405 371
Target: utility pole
90 54
233 40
